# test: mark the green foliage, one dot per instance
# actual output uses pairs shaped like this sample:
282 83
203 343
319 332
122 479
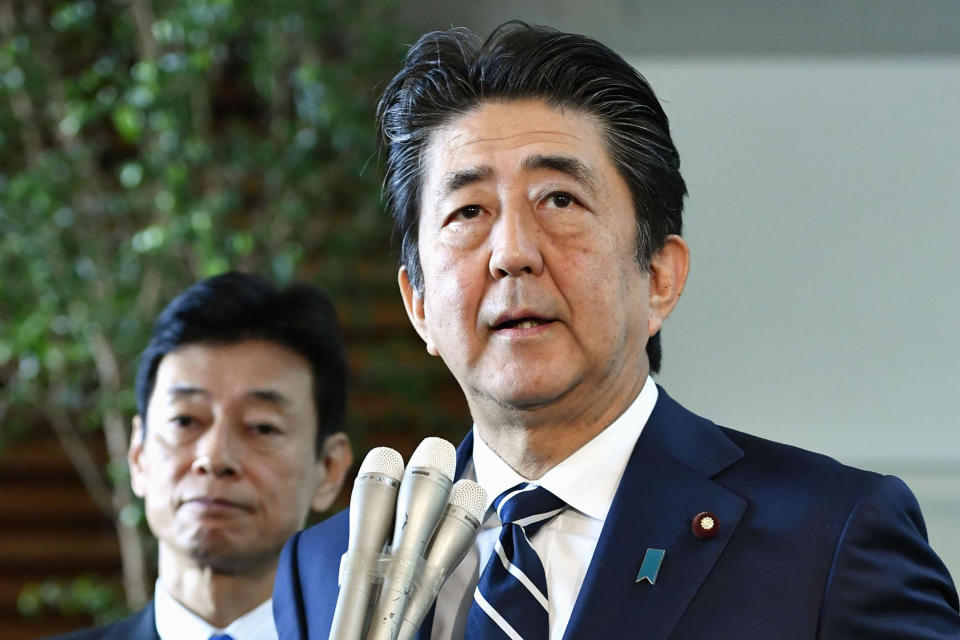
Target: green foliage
143 153
147 144
87 596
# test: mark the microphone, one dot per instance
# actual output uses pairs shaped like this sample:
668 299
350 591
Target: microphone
420 504
454 537
371 511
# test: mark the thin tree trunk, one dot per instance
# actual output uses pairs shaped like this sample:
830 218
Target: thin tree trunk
143 19
90 472
132 552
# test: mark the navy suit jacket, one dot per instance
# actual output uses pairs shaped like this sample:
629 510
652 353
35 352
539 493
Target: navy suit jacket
141 625
806 549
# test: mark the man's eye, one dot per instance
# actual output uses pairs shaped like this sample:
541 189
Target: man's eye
265 428
469 212
560 200
183 421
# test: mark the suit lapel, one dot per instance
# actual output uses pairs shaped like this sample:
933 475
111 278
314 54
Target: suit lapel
665 484
464 454
140 626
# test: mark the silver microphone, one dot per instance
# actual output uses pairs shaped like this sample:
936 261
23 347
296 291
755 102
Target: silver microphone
372 505
454 537
420 504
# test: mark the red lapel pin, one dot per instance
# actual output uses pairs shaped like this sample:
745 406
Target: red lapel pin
705 525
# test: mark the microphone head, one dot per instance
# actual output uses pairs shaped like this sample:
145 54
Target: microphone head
435 453
470 496
383 460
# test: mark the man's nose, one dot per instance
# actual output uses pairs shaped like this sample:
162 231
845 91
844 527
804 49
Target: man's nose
216 451
515 243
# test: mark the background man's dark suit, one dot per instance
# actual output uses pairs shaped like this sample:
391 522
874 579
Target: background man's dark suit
140 626
807 548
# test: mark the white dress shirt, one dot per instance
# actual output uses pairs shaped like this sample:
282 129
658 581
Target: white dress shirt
587 481
176 622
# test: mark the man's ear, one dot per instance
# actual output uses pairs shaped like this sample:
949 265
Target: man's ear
413 303
336 458
668 274
138 478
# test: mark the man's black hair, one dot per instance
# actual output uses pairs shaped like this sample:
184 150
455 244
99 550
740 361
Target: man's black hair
233 307
449 73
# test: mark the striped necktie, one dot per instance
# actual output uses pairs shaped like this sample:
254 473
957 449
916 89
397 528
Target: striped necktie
511 596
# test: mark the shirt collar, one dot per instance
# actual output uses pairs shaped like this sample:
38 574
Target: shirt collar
176 622
602 460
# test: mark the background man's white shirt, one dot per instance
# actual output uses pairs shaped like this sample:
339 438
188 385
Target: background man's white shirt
176 622
587 481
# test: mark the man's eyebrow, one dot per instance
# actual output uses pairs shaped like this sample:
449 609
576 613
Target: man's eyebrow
464 177
564 164
269 395
185 390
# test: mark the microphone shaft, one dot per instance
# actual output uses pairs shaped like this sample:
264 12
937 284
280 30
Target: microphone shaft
454 537
420 505
372 504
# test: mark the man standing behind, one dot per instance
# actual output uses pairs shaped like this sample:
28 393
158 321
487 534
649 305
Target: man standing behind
240 398
536 189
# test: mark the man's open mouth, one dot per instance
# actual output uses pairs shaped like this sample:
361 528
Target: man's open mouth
521 323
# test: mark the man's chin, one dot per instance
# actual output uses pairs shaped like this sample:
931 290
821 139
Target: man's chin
228 557
226 563
526 383
523 399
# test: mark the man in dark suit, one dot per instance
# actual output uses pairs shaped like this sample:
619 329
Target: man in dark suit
240 393
537 192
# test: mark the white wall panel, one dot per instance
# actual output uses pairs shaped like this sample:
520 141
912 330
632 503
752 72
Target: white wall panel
824 218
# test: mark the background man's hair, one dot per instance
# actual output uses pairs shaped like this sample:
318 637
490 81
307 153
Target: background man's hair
448 73
233 307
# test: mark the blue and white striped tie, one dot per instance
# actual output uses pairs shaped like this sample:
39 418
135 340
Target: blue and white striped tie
511 597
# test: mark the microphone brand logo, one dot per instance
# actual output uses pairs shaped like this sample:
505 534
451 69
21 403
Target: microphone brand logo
420 472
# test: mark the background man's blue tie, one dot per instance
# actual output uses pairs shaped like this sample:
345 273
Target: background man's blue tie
511 597
222 636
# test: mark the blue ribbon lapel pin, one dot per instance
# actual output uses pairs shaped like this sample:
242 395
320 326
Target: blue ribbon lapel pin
650 567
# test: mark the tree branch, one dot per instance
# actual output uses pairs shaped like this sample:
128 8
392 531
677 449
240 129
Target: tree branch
149 296
143 20
20 102
108 371
81 458
115 432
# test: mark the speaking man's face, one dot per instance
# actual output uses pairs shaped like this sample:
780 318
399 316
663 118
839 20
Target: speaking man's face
228 467
527 234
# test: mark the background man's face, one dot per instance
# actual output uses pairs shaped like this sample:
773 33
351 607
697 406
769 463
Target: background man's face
527 238
228 467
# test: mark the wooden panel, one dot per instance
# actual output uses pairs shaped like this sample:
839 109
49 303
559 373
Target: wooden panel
57 549
50 529
55 504
32 629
